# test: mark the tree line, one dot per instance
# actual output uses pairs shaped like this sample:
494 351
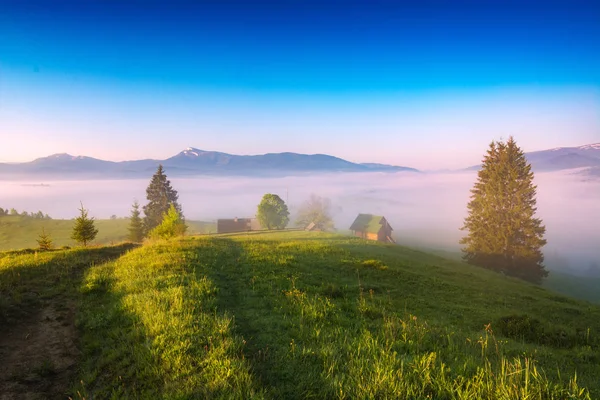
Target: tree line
163 217
14 212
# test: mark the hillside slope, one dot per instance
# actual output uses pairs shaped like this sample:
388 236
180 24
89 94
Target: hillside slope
300 315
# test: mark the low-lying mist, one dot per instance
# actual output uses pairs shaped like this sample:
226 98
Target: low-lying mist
425 210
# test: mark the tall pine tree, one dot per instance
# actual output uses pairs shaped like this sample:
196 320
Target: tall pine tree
136 226
503 233
160 196
84 230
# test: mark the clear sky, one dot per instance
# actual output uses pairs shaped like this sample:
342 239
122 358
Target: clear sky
426 85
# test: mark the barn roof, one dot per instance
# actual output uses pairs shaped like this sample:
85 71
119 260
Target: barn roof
367 223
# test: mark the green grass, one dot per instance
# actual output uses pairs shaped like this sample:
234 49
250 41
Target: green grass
29 278
305 315
300 315
580 287
18 232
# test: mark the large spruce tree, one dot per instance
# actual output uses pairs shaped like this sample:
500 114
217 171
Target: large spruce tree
160 196
503 233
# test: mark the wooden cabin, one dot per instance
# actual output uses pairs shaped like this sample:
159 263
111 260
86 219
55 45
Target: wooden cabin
237 225
312 227
372 227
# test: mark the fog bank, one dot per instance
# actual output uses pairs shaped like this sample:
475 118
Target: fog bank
424 209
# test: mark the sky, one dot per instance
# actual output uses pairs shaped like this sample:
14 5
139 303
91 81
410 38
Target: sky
426 85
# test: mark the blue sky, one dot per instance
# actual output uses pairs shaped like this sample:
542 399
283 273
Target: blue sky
427 85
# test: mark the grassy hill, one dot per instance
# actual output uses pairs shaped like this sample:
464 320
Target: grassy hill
290 315
580 287
17 232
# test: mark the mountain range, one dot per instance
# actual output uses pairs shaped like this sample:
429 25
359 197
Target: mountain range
586 157
189 162
192 161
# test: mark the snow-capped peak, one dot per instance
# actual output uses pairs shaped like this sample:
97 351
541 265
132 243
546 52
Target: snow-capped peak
594 146
190 151
64 156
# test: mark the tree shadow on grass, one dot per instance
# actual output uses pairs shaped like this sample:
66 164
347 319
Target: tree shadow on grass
38 303
28 279
273 340
117 361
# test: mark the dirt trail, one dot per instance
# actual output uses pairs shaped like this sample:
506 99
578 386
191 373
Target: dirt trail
38 355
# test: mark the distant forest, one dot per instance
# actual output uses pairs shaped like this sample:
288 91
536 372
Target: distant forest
14 212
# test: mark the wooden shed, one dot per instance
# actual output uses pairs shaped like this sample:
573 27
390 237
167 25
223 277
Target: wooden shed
372 227
237 225
312 227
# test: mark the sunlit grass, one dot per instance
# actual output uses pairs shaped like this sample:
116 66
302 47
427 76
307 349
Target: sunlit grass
150 329
301 315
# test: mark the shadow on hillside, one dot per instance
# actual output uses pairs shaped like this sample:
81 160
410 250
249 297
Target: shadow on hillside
267 332
45 275
38 302
118 361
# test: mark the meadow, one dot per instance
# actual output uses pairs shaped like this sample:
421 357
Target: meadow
580 287
295 315
17 232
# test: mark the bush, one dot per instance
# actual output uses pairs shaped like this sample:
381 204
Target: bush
376 264
171 226
525 328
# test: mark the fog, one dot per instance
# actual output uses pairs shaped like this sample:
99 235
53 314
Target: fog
424 209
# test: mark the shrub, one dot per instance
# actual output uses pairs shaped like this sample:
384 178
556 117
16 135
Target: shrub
376 264
44 241
171 226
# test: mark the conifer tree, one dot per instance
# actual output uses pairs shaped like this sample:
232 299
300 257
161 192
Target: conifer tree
503 233
136 226
273 212
160 196
44 240
84 230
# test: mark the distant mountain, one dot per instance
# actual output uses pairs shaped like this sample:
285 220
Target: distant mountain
196 160
562 158
189 162
385 167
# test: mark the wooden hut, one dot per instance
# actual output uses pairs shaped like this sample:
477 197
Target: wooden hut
312 227
372 227
237 225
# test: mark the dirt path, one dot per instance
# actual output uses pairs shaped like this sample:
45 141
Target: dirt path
38 355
